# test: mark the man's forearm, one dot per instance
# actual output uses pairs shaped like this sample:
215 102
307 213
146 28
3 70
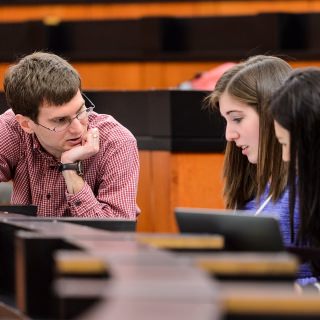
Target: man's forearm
73 181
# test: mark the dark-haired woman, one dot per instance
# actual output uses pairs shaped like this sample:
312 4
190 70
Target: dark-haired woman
296 110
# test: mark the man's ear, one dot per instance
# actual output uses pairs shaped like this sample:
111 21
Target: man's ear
25 123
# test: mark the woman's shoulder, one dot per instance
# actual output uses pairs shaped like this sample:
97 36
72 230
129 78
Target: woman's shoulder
266 205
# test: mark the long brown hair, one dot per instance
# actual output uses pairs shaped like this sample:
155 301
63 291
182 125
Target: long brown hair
253 82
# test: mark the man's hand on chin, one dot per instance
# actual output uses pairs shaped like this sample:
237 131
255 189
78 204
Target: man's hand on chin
89 147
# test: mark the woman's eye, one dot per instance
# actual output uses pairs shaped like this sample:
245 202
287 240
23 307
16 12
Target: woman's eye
237 120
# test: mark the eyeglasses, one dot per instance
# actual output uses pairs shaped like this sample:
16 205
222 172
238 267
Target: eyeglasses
64 123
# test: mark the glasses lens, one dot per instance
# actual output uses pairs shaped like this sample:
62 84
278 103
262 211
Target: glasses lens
80 116
62 127
83 114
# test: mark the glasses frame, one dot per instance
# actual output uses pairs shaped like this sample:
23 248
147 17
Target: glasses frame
88 109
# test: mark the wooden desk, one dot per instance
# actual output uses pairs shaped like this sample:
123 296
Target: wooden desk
129 265
239 300
268 301
11 223
182 242
147 281
249 266
139 276
34 255
9 313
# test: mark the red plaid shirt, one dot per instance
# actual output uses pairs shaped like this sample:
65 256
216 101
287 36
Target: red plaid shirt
111 176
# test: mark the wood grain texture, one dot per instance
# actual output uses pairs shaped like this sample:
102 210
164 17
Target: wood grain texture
55 13
170 180
141 75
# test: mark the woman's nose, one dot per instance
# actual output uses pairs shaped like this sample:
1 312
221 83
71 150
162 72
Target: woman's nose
231 134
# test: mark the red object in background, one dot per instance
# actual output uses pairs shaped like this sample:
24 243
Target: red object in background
206 80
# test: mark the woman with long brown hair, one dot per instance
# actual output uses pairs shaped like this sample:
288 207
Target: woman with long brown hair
253 168
254 174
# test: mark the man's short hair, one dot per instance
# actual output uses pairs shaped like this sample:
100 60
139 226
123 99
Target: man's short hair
40 78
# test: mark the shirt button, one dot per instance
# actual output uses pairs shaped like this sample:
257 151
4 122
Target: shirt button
77 203
48 196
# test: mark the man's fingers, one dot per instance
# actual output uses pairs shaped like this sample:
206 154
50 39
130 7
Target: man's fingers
93 137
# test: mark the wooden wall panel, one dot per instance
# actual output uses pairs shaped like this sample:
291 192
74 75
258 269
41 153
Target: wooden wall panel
147 75
161 192
154 193
133 75
145 221
54 13
170 180
141 75
111 75
197 180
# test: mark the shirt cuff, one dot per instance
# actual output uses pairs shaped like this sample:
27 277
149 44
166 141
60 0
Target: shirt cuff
81 203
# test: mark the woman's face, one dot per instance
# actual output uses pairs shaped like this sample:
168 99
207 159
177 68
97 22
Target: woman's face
242 125
283 137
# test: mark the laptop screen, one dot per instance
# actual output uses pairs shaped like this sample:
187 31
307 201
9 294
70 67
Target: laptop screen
241 230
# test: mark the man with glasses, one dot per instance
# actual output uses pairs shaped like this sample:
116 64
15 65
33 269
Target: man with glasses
59 153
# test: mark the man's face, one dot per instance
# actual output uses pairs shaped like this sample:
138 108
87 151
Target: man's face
51 116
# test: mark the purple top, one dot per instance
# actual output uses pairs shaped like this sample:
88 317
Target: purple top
280 210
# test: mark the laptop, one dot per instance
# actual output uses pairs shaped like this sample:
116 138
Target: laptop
28 210
242 231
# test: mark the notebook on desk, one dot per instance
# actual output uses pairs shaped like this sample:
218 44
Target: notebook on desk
241 231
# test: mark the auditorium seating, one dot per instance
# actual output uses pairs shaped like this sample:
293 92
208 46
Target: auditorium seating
162 51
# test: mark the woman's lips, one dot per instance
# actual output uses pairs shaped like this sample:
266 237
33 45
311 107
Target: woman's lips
245 150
